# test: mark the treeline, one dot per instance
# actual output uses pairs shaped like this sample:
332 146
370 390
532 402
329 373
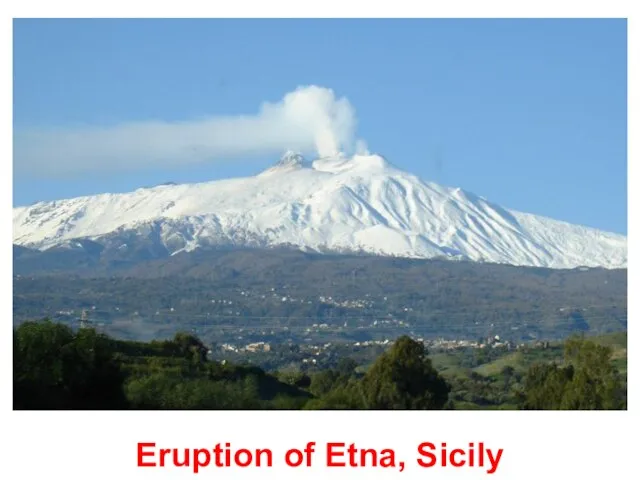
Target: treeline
57 368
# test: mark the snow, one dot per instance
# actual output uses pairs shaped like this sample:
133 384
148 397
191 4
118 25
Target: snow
345 204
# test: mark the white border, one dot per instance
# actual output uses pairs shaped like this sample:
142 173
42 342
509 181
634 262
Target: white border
537 444
326 9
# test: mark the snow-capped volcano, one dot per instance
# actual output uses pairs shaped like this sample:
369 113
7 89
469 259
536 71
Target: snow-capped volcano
339 204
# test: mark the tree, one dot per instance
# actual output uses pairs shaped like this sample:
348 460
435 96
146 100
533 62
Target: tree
507 374
190 347
346 366
54 368
545 385
345 395
403 378
596 384
38 367
323 382
587 381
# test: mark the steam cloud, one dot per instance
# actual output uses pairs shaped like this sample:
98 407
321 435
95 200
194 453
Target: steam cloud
309 118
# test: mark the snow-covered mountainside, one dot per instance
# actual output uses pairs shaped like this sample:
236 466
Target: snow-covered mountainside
339 204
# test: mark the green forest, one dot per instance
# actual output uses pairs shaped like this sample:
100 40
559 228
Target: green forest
57 368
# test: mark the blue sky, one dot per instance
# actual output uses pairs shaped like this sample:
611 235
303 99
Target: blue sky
528 113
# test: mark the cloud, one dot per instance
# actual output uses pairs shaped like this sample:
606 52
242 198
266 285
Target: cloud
308 118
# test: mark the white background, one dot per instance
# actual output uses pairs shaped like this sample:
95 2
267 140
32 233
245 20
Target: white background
103 445
537 445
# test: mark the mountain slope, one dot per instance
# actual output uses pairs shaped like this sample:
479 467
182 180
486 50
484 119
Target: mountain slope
358 204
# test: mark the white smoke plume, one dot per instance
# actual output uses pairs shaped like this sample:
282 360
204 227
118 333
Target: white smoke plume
310 118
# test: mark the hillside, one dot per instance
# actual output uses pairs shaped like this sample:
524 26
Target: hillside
288 295
352 205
